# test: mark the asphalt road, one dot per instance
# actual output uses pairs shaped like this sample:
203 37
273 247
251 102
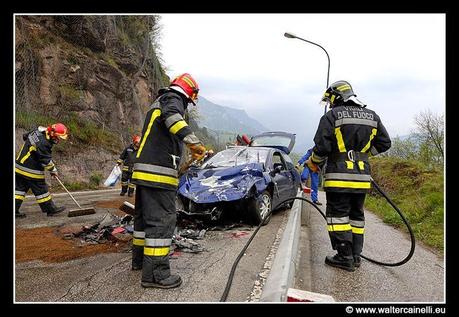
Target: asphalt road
419 280
107 277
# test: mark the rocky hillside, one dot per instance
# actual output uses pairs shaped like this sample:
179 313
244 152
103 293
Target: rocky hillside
96 74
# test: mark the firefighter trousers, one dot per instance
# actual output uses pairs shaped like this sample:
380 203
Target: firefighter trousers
346 222
126 177
154 224
39 189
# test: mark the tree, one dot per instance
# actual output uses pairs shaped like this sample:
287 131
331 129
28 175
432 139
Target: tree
431 133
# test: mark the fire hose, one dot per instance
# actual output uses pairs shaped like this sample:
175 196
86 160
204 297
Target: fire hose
406 259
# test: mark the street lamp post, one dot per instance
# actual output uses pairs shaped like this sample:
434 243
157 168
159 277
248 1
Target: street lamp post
291 36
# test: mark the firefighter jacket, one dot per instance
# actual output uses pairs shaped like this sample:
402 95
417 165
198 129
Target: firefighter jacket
127 157
35 155
164 130
347 135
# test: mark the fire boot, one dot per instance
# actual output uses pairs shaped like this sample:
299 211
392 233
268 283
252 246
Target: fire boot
137 258
156 273
357 260
52 209
343 259
130 192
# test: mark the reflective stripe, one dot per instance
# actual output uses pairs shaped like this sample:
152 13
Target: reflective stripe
316 158
155 169
42 196
31 148
20 197
191 139
350 165
25 169
17 170
345 227
372 135
155 178
373 151
178 126
370 123
339 139
125 168
172 119
361 165
124 183
156 251
20 151
332 99
347 176
156 113
131 185
44 199
139 234
357 223
139 242
358 230
158 242
345 184
344 87
18 192
332 220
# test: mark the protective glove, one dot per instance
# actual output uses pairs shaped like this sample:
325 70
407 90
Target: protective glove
312 166
197 151
297 166
53 172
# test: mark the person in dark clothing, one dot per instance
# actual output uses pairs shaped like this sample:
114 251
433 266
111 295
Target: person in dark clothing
127 158
347 135
32 161
155 174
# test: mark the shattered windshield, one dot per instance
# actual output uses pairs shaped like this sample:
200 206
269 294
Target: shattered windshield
237 156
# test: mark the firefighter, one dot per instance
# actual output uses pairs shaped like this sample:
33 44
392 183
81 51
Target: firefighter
127 159
32 161
314 177
346 136
155 174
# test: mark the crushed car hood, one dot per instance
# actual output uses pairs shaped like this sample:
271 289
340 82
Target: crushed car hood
223 184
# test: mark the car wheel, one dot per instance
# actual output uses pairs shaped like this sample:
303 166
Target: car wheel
259 207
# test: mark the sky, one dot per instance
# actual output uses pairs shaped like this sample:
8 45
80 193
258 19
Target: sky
394 62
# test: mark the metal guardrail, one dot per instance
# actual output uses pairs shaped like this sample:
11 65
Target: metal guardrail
282 274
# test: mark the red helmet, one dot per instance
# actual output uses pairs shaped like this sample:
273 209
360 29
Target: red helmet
189 86
57 131
136 140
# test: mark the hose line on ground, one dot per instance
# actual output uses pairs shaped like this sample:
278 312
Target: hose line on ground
406 259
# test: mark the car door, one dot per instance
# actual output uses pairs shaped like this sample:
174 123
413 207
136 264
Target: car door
295 179
282 179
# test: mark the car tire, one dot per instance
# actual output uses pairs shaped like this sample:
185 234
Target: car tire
258 207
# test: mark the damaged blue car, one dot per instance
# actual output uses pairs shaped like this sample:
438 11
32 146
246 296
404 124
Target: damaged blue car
248 180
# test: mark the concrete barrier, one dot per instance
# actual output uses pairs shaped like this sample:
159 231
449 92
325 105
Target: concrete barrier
282 274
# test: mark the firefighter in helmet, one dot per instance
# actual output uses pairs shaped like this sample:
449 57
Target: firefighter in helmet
346 136
155 174
32 161
127 158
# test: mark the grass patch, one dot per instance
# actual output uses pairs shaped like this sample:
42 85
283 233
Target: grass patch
31 119
70 92
90 133
417 191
